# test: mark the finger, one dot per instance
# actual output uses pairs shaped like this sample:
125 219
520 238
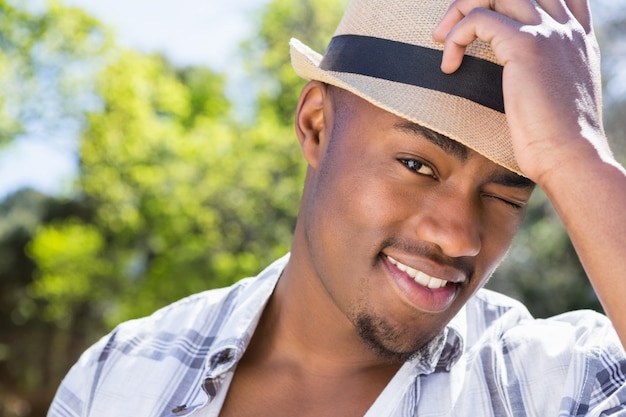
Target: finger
524 11
452 16
479 23
581 10
556 9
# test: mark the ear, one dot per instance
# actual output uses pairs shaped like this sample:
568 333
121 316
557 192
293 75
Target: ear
311 121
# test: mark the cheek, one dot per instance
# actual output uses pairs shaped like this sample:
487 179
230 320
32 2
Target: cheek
497 239
346 225
340 239
351 197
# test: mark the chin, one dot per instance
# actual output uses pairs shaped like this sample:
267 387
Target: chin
390 343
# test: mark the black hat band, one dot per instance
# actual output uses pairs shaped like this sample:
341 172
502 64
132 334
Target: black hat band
477 80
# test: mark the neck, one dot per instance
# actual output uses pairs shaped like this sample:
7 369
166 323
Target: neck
302 324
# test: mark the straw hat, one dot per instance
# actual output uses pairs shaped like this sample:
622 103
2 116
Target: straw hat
383 51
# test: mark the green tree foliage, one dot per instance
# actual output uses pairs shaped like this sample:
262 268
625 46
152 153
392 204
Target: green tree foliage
33 353
47 59
612 36
68 259
48 55
615 124
178 201
180 196
311 21
178 188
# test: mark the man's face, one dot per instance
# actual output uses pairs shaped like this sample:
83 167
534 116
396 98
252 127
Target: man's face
402 226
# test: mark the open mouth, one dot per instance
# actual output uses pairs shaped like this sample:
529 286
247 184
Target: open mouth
421 278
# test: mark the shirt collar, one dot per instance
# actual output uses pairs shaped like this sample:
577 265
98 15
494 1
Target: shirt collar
454 343
232 341
233 338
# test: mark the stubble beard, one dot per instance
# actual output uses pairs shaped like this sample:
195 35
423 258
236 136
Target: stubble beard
389 343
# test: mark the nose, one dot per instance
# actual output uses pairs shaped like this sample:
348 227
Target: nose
452 222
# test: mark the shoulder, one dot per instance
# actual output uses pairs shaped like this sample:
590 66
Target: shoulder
185 327
489 312
499 317
145 364
197 313
575 356
184 330
195 320
167 348
509 319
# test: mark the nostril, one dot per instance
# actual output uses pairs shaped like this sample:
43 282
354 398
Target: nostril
455 235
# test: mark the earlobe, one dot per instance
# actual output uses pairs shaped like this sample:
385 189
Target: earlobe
311 122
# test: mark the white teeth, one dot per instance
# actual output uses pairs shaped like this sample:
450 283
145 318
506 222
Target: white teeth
418 276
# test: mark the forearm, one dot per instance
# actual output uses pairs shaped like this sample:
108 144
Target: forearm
590 197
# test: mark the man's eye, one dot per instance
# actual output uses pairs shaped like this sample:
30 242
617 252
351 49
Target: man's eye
418 167
510 203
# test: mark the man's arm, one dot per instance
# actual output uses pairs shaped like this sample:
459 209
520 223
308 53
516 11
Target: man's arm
552 95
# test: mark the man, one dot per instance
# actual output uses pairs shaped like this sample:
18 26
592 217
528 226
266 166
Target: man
416 185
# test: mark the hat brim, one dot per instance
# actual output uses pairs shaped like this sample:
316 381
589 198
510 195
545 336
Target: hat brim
478 127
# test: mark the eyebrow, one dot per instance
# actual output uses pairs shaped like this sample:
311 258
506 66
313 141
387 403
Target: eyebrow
511 179
461 152
448 145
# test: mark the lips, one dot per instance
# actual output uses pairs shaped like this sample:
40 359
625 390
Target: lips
424 292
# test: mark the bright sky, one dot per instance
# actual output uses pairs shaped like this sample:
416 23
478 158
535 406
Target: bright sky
188 32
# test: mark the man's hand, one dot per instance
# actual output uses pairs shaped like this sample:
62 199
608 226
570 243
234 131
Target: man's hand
552 98
551 79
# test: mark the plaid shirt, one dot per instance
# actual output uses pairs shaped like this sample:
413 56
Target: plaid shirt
495 360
